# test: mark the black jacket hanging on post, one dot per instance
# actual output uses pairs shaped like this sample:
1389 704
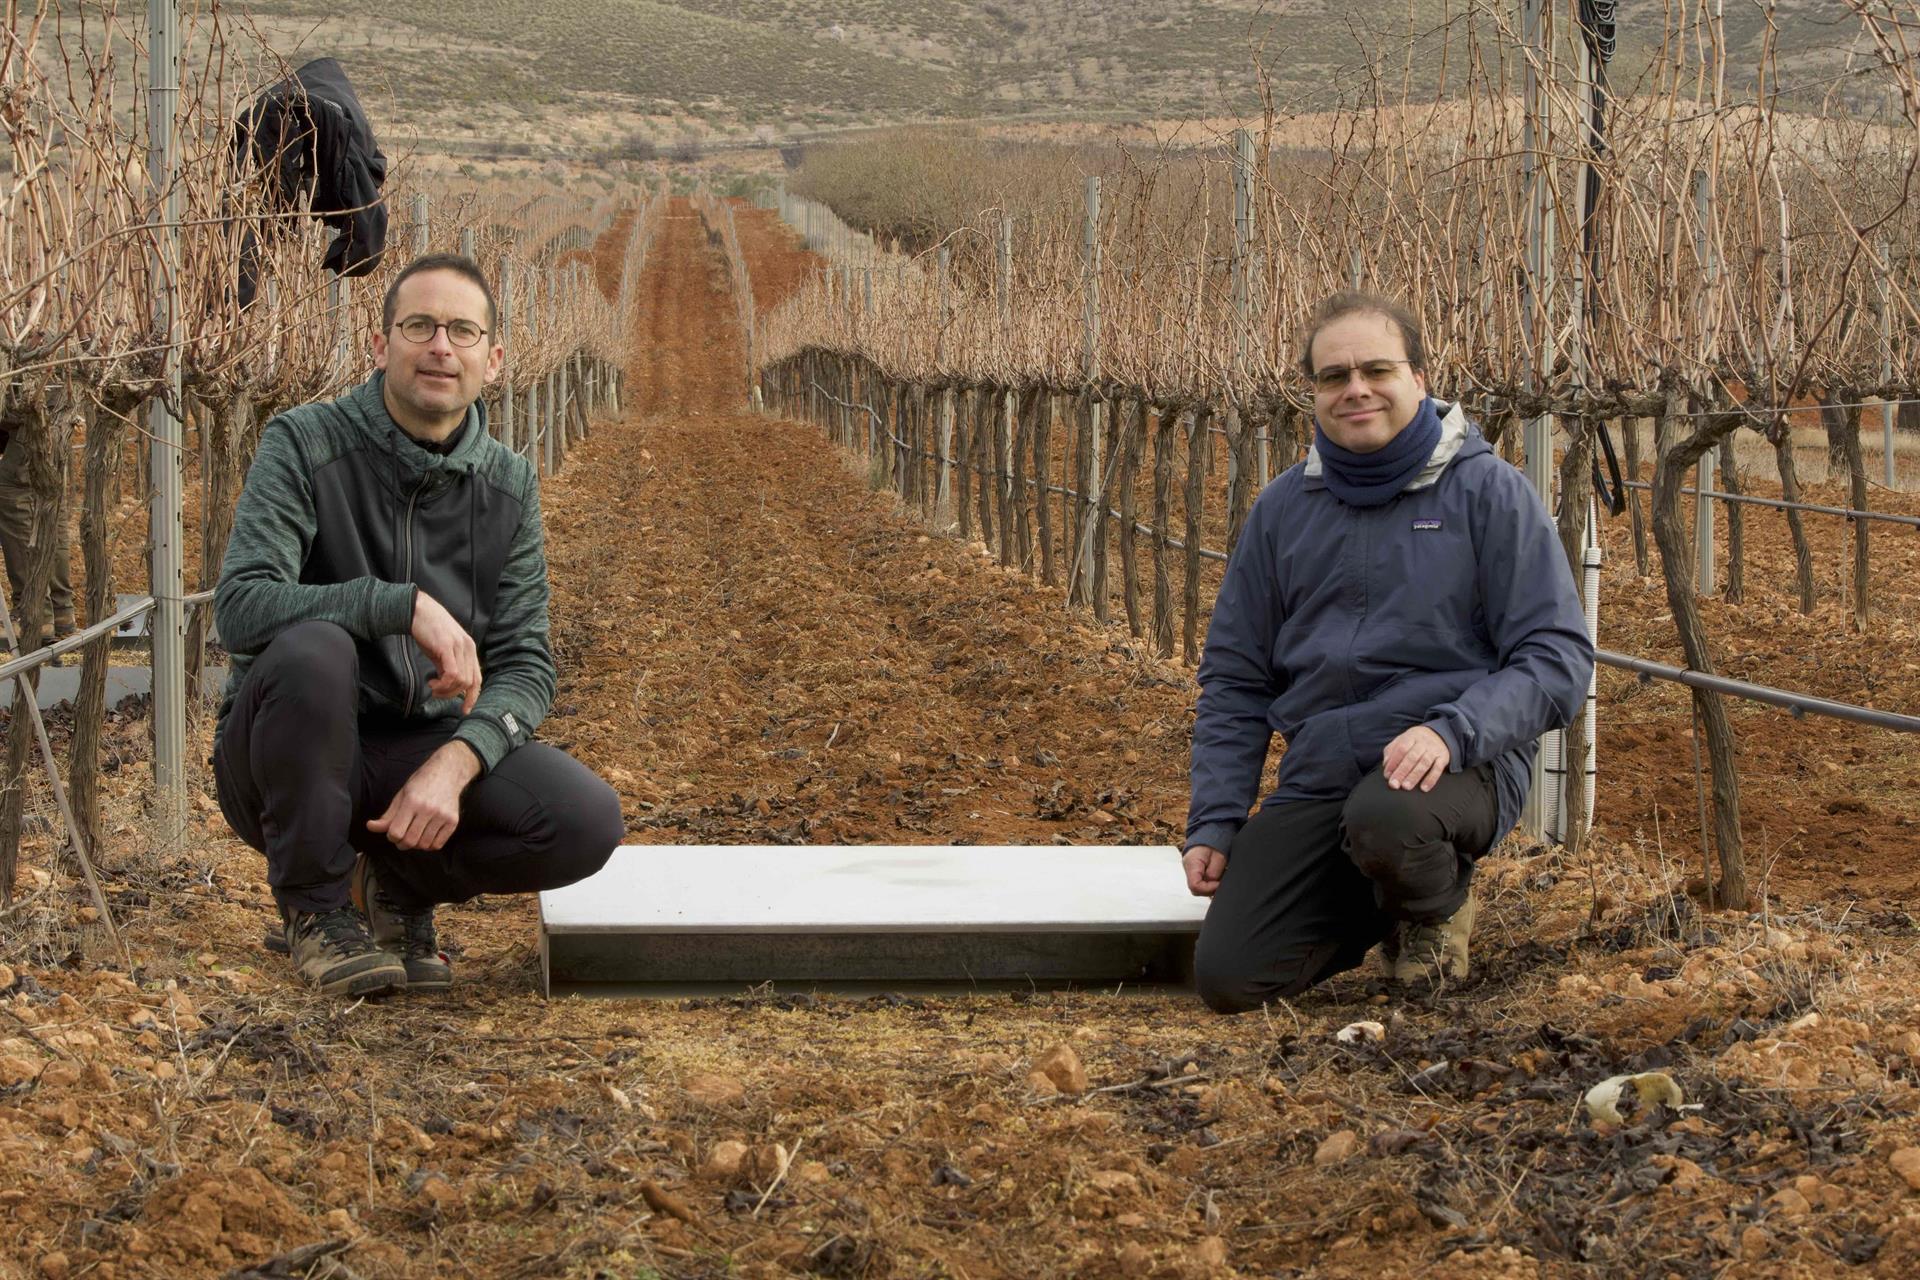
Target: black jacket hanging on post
308 133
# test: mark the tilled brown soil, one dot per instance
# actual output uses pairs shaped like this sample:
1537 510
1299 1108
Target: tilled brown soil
756 647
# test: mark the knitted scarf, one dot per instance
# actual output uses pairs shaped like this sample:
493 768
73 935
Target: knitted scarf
1370 479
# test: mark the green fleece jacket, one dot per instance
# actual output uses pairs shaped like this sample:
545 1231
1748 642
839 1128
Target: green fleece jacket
344 519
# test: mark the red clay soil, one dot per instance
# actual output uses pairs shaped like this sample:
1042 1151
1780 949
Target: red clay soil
756 647
853 678
1830 809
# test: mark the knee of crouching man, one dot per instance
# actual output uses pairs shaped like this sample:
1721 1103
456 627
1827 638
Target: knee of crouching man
1376 824
597 829
1225 993
316 661
1240 992
1225 983
315 641
579 826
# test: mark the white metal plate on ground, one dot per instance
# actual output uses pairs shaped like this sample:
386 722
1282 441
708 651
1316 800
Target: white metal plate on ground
683 915
60 684
138 630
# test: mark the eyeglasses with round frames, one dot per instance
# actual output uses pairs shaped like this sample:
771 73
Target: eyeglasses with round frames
420 329
1374 373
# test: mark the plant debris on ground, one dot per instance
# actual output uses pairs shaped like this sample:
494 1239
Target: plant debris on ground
757 648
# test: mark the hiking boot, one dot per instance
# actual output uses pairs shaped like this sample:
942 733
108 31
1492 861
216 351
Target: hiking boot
408 934
1425 950
332 951
1391 944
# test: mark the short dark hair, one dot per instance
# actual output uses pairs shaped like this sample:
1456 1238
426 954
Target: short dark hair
458 263
1359 302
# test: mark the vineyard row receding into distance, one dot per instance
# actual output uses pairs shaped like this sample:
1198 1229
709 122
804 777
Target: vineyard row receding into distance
1689 256
763 637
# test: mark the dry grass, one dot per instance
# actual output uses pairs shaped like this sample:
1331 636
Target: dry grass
201 1113
467 71
1756 456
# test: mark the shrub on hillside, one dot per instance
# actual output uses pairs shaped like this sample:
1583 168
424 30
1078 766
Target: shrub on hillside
915 185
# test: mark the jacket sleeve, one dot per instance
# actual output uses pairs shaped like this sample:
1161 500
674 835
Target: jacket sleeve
1238 684
1543 653
260 593
516 660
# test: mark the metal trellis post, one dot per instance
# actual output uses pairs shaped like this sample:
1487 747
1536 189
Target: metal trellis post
1886 380
1242 241
506 337
168 533
1539 297
1094 503
943 490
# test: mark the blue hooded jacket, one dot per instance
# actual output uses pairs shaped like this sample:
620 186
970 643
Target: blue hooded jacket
1340 627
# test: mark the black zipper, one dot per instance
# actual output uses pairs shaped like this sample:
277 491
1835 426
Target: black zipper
406 649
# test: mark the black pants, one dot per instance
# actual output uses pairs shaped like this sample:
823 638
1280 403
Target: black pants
299 775
1312 885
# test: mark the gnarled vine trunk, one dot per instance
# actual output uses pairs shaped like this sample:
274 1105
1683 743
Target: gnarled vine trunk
227 428
1674 458
1857 489
1833 416
38 418
106 423
1637 522
1782 436
1736 588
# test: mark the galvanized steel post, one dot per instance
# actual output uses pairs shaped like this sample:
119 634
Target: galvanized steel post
505 308
1535 145
164 515
1093 501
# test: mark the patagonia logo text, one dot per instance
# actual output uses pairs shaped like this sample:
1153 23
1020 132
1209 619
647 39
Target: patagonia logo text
1426 524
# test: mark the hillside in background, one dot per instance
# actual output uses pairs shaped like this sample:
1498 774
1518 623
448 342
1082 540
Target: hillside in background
602 75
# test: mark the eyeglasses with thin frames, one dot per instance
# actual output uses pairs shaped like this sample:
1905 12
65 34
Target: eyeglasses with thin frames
1374 373
420 329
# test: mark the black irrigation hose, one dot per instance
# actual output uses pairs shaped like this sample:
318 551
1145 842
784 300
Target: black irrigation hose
1798 703
1885 516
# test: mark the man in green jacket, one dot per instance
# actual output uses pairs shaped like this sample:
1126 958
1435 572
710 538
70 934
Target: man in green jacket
384 596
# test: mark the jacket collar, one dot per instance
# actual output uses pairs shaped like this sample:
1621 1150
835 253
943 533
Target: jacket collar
1458 437
366 405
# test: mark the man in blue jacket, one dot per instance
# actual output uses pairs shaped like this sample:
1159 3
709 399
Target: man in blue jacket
1399 610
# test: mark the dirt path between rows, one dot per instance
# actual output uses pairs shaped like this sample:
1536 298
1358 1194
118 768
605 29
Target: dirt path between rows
760 649
756 647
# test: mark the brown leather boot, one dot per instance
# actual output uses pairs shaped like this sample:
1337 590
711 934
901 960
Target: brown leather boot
332 951
408 934
1423 951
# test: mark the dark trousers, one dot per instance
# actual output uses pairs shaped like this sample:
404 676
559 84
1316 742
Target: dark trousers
18 505
1312 885
299 775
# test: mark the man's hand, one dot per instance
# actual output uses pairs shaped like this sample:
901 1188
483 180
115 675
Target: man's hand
427 809
1416 758
456 662
1204 867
